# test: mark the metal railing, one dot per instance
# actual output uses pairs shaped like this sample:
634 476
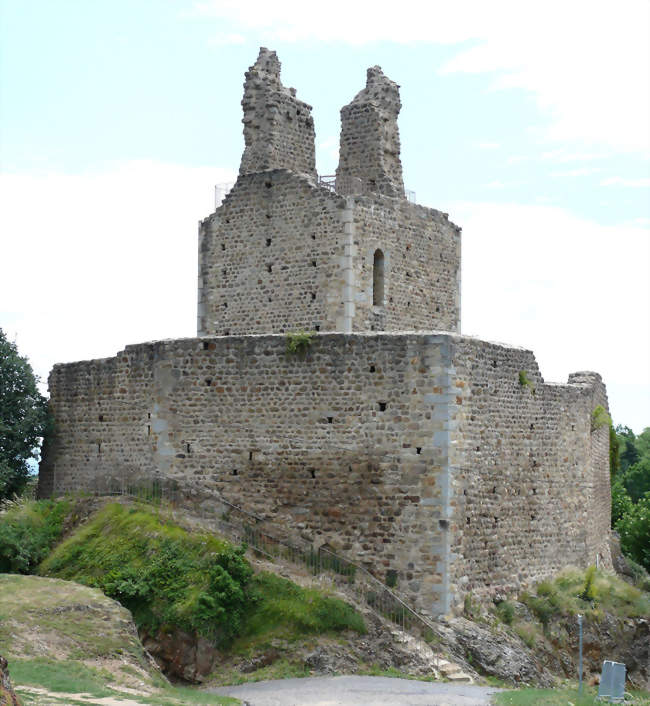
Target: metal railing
353 186
187 504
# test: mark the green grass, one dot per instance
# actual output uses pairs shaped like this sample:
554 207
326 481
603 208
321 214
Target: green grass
561 596
71 677
558 697
56 675
169 577
28 531
42 617
278 602
165 576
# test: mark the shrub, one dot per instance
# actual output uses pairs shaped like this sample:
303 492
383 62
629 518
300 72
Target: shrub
600 418
28 531
298 341
391 578
506 612
162 574
525 381
588 591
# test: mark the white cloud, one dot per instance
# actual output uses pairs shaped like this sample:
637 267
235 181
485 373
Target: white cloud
562 156
587 62
575 292
327 154
224 39
488 145
97 261
580 171
621 181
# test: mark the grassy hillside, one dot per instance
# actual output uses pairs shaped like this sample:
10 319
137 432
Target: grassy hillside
170 578
62 639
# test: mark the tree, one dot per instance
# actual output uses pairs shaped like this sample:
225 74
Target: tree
637 479
23 418
634 529
621 502
628 453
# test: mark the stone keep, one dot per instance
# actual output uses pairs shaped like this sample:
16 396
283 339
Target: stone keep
393 440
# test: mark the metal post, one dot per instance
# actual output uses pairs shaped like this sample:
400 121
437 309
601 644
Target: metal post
580 653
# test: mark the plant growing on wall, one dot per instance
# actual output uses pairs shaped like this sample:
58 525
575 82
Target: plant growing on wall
525 381
599 418
298 341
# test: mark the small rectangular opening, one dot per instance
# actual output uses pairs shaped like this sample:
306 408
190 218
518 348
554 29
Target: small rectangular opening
382 406
330 420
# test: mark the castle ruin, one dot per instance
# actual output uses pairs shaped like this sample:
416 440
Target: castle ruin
391 438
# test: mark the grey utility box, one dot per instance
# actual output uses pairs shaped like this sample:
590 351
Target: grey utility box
612 682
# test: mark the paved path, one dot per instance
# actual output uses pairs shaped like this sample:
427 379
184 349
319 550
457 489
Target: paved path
357 691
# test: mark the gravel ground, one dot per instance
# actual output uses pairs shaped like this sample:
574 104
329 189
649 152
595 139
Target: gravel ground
357 691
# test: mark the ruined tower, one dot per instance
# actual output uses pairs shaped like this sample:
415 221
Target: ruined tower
284 252
391 438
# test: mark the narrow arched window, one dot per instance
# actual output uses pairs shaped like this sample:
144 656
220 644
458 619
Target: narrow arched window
378 279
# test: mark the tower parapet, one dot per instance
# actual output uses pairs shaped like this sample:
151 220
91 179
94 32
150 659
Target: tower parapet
370 146
278 128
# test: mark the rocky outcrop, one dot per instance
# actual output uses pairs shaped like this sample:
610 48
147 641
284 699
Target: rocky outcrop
7 694
494 651
181 655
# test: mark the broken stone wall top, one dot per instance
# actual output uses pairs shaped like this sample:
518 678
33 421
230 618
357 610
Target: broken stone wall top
369 155
278 128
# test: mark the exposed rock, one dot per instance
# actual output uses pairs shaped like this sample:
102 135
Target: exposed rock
181 655
7 694
493 651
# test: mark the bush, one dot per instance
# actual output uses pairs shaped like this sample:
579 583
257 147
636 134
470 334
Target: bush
506 612
162 574
525 381
588 591
28 531
600 418
298 341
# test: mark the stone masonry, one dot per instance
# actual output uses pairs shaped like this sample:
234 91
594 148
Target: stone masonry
392 439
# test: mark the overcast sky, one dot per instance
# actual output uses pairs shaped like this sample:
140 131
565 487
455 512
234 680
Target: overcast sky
526 121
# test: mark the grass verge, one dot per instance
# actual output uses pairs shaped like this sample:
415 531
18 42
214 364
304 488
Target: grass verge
559 697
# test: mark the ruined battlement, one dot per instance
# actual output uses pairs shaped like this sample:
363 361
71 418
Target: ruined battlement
370 144
278 128
283 253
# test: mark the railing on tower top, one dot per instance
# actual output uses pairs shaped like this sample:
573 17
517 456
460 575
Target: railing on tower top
344 185
353 186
